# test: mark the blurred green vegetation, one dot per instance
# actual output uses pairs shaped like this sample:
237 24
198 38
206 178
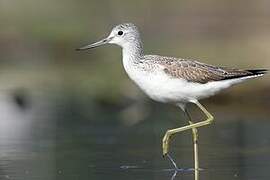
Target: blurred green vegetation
38 38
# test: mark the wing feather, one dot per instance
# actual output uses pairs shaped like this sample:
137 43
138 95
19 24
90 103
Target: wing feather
194 71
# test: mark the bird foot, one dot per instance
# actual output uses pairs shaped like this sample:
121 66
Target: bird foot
172 161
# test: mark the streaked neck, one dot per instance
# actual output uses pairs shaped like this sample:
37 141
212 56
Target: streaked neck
132 51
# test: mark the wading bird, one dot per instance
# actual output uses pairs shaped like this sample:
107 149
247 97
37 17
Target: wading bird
173 80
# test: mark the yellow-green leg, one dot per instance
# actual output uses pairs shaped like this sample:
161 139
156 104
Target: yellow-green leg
193 126
196 152
195 147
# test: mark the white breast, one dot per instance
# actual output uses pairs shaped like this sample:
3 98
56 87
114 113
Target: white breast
156 84
161 87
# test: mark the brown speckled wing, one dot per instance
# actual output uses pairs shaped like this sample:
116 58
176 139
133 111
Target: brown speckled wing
197 72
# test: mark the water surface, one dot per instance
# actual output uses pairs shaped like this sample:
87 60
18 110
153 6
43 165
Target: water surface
68 146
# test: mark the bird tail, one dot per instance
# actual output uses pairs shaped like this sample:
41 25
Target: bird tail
246 74
257 72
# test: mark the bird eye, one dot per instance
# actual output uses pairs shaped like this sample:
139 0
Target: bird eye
120 33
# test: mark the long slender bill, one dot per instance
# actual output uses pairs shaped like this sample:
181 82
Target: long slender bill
94 45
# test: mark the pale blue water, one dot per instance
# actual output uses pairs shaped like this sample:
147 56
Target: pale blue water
78 148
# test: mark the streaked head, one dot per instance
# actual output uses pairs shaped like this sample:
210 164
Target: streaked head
122 35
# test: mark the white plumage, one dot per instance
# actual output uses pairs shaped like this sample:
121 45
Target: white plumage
173 80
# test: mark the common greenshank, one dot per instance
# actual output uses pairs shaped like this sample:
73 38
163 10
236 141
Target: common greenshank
173 80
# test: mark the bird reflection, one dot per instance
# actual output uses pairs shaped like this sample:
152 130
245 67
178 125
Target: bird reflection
174 174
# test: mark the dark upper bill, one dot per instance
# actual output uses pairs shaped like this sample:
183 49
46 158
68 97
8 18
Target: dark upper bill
96 44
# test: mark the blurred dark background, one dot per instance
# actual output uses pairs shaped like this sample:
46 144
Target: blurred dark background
76 115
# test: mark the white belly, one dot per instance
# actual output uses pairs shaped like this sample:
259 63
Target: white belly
161 87
158 86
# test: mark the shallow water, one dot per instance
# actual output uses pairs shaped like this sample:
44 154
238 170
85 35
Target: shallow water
80 148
